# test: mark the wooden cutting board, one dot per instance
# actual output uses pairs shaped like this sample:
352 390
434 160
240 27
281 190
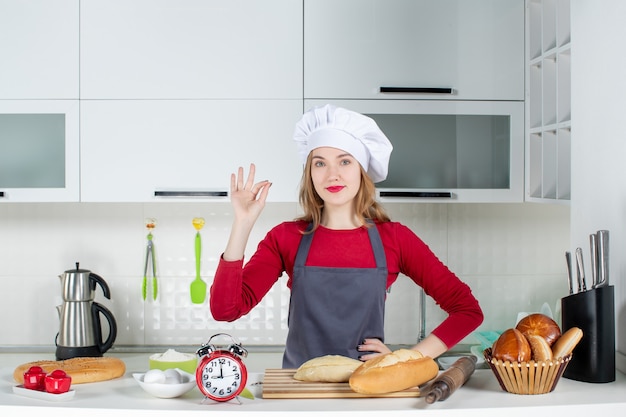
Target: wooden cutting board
279 383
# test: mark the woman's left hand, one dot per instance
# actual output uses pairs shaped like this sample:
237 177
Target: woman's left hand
374 347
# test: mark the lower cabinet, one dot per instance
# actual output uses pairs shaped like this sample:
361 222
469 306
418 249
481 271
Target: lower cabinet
185 150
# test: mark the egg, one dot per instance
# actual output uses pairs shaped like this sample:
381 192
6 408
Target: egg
154 376
172 376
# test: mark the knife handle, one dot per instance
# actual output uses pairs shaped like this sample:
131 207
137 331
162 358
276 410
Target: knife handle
593 244
570 276
603 258
580 270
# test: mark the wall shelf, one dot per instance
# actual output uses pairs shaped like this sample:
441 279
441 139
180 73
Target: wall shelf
548 101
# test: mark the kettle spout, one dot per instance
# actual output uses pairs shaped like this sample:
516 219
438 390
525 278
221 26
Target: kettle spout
59 310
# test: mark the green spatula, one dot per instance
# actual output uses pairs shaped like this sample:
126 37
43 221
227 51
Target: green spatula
198 286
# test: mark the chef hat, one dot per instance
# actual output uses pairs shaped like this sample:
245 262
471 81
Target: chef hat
352 132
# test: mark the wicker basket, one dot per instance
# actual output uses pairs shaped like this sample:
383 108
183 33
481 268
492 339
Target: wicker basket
527 377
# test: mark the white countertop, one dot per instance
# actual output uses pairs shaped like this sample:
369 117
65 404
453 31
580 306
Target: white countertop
480 396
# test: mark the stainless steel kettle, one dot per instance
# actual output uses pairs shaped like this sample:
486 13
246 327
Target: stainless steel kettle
80 331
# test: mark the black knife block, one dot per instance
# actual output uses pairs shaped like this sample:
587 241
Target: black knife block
593 311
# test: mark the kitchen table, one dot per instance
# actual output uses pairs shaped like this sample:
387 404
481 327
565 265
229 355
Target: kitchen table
481 396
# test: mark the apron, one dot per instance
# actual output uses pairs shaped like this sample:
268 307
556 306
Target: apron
332 310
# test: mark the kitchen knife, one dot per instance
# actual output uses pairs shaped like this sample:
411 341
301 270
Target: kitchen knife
580 270
593 243
603 258
570 277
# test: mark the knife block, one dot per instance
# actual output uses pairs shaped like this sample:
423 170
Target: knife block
593 311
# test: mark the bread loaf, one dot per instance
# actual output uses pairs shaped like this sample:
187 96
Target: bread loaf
540 350
567 342
329 368
392 372
541 325
511 346
82 370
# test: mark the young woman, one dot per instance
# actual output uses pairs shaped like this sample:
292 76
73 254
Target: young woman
343 253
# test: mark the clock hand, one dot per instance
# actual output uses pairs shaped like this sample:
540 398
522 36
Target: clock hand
220 376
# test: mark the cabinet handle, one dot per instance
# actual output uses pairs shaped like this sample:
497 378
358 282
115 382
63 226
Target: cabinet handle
191 193
430 90
416 194
1 193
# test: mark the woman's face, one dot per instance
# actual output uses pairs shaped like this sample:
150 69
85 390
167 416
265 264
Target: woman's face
336 175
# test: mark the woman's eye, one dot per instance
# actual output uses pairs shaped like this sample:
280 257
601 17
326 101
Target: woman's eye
318 164
345 162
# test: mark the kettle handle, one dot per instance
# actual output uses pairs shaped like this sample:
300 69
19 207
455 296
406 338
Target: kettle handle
97 279
96 309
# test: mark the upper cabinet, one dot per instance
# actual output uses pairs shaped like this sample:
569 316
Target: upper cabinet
448 151
444 49
185 150
39 150
191 49
548 101
39 45
39 110
176 95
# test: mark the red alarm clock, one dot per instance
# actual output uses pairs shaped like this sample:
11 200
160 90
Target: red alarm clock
221 374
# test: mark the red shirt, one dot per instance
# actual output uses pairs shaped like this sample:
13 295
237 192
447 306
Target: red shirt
241 287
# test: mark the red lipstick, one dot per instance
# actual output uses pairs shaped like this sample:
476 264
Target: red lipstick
335 188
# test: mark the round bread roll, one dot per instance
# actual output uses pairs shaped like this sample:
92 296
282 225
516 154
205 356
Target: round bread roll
541 325
511 346
540 349
567 342
392 372
329 368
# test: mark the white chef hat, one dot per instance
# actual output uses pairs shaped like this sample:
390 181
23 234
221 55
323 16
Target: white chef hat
352 132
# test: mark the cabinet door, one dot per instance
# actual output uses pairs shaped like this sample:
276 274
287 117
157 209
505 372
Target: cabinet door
190 49
39 44
449 151
39 150
132 149
354 47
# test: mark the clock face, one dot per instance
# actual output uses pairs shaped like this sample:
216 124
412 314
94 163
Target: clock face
221 376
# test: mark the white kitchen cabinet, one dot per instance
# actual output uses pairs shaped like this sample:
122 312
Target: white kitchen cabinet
548 101
448 151
191 49
39 150
352 48
39 49
185 150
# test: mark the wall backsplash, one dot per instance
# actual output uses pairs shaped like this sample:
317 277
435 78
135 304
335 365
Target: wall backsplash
511 255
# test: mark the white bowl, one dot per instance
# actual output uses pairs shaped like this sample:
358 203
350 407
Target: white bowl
167 390
448 361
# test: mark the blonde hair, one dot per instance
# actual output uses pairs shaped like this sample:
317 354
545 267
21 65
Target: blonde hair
365 203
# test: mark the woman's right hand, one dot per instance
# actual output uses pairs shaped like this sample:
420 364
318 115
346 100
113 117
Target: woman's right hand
248 198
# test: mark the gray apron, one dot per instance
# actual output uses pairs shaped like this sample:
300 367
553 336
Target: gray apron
332 310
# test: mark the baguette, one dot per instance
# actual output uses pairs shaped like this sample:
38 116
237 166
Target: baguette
329 368
82 369
565 344
392 372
